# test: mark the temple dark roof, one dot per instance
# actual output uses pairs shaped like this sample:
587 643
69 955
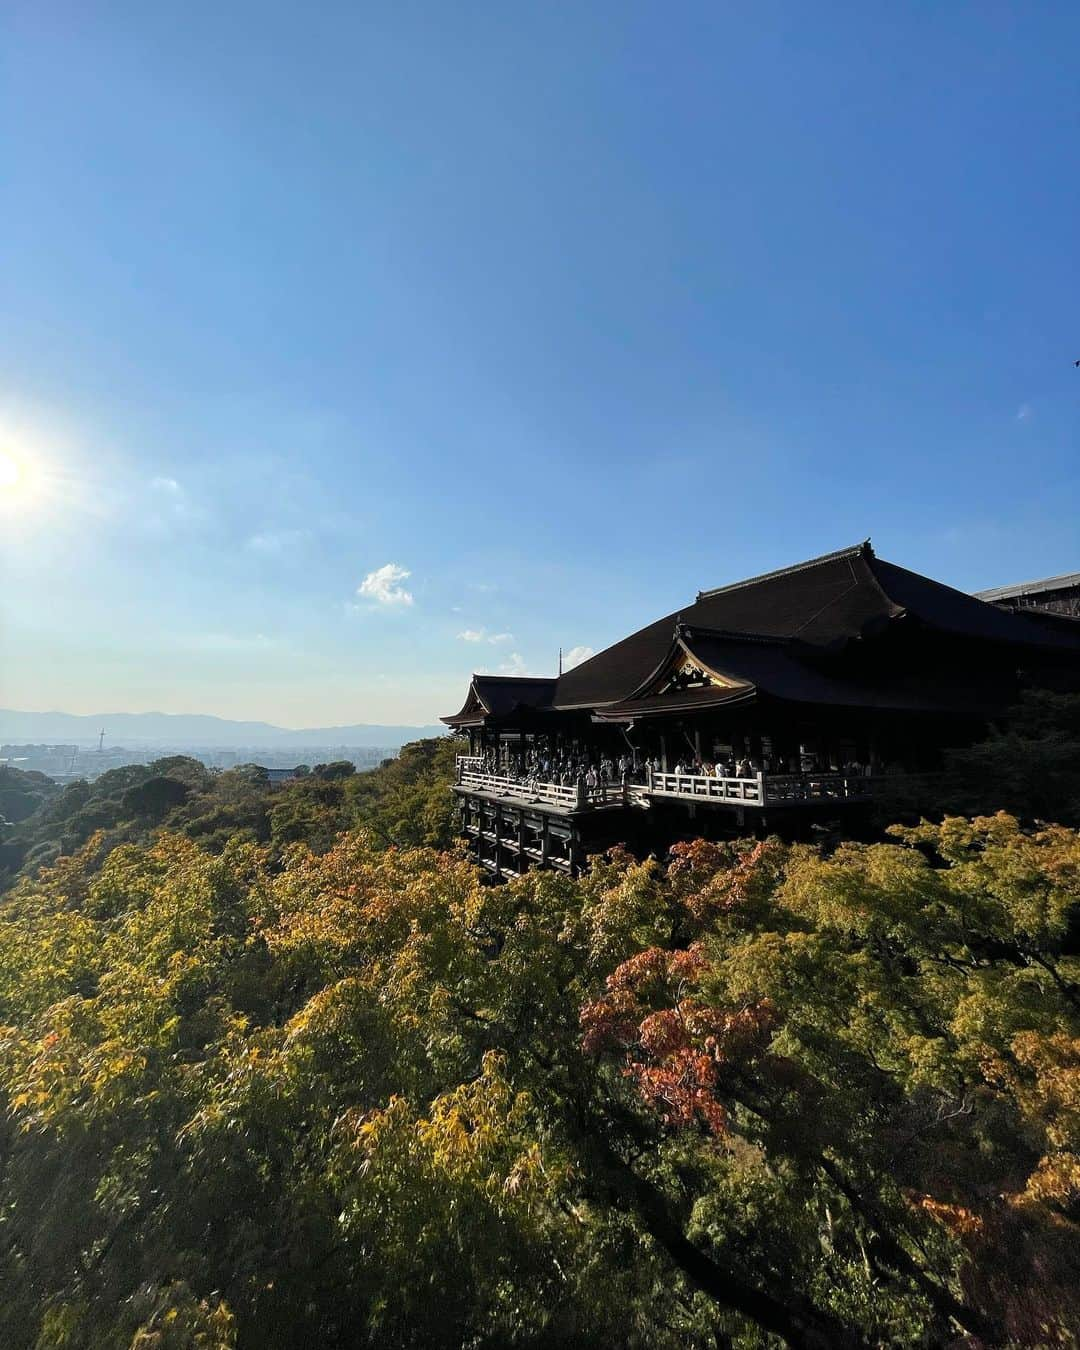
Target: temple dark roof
954 611
826 602
777 668
500 696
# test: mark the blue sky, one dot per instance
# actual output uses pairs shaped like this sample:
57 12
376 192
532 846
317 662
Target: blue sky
566 311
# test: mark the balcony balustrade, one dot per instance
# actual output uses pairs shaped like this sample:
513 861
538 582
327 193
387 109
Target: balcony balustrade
528 790
761 790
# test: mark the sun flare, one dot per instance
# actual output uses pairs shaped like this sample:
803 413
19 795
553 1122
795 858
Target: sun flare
10 472
21 482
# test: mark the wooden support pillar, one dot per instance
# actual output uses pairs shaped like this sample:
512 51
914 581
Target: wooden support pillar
497 830
522 859
545 839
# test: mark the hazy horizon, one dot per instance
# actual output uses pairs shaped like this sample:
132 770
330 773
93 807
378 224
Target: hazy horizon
348 351
156 727
185 712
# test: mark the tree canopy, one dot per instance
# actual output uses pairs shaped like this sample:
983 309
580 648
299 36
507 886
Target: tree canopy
347 1094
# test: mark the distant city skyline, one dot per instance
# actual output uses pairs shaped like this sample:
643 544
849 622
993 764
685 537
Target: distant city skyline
347 352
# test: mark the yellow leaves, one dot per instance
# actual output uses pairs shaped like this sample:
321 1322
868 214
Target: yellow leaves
1056 1180
1049 1090
1042 1076
958 838
1021 884
861 889
355 903
476 1137
467 1123
624 910
527 1174
42 957
784 966
930 1061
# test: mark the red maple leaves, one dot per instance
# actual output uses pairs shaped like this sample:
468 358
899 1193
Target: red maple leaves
711 879
675 1043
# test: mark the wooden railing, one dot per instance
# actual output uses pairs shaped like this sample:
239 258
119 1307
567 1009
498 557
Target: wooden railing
573 798
765 789
745 791
502 785
773 789
782 788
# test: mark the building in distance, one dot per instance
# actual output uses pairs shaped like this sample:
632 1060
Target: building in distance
1052 595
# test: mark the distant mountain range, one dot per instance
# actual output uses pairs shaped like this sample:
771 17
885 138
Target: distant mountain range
192 729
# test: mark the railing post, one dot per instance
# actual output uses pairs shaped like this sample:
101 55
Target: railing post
761 788
581 798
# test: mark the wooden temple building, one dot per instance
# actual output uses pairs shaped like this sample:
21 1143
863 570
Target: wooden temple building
1052 595
764 705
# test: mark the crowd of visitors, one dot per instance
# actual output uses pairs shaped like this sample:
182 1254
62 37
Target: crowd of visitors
564 769
722 768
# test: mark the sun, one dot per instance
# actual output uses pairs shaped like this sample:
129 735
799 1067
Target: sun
10 472
22 484
37 485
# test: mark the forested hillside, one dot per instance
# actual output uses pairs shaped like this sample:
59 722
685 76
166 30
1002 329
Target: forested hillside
405 801
278 1070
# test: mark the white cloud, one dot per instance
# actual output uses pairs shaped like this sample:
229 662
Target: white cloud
168 485
384 587
482 635
575 656
1023 412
